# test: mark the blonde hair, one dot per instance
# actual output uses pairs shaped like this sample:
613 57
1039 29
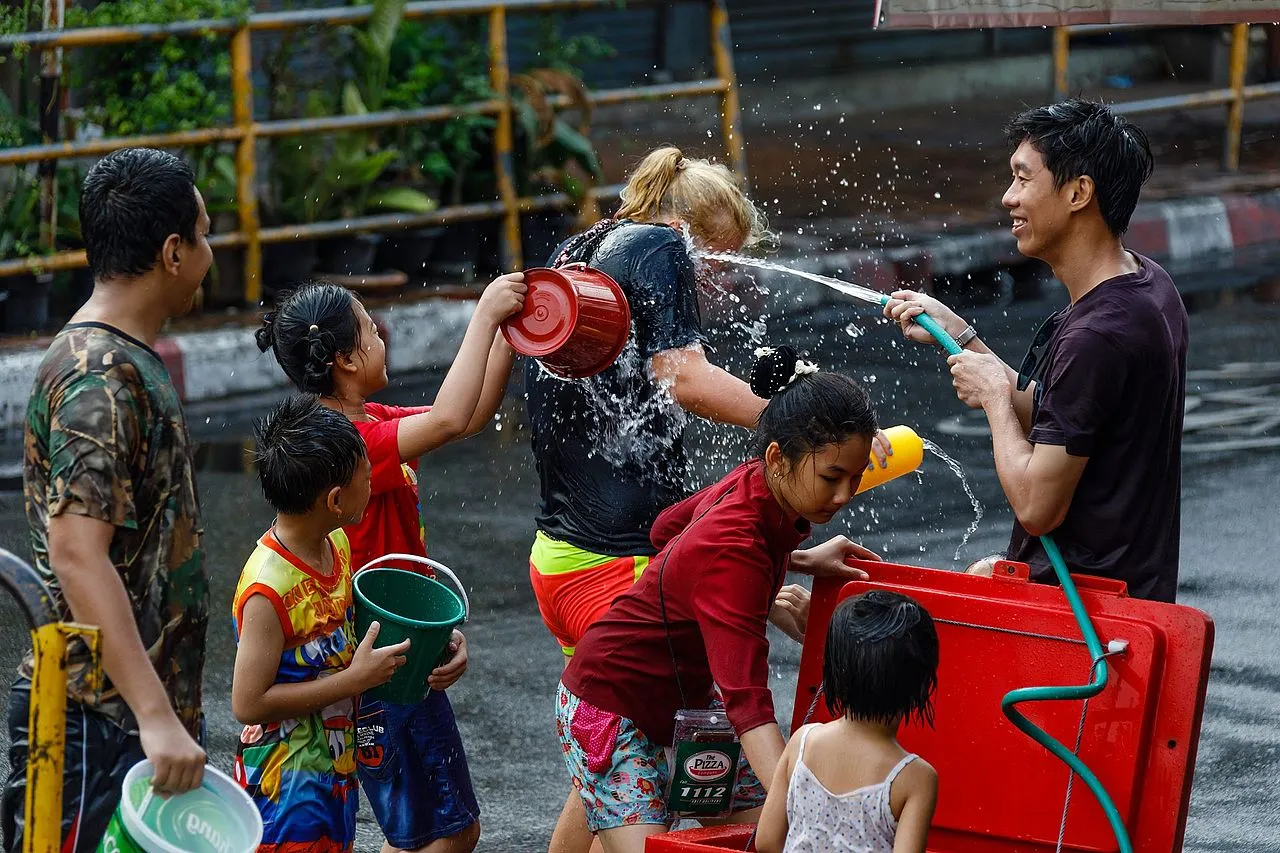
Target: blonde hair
706 195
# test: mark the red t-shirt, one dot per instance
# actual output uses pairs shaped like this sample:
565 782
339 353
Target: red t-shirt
392 524
722 557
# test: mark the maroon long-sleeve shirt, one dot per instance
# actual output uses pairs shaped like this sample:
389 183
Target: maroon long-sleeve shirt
722 558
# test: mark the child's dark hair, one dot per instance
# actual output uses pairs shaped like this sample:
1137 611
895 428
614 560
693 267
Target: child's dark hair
808 409
881 660
311 327
303 450
1078 137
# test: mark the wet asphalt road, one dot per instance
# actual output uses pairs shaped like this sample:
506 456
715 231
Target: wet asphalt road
479 502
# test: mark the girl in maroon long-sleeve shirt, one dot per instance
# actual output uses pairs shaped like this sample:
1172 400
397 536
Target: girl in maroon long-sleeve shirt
696 619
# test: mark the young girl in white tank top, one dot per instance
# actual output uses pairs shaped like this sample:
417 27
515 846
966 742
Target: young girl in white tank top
847 786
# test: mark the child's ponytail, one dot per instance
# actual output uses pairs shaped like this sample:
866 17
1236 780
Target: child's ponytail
309 329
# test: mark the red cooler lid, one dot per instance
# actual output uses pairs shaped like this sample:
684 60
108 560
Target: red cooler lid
549 315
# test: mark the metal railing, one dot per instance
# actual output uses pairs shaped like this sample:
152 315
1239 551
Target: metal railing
1233 97
245 131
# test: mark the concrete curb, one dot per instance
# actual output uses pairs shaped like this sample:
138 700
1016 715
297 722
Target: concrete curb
222 363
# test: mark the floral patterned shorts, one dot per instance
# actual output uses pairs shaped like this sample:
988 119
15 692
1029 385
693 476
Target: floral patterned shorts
621 775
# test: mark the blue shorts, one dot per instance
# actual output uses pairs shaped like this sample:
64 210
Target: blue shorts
413 769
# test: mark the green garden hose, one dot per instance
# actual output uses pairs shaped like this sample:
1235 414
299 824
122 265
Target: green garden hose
1058 693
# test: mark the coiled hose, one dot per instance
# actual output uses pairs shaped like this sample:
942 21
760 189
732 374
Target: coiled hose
1055 693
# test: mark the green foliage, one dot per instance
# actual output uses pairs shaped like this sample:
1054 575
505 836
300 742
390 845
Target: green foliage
19 214
317 178
551 153
19 17
161 87
442 63
570 54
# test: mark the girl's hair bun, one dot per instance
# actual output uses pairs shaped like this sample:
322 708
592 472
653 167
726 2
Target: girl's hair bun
776 368
265 335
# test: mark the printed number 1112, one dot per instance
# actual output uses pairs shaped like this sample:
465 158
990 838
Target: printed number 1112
703 793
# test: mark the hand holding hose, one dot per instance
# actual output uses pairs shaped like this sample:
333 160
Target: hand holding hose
905 305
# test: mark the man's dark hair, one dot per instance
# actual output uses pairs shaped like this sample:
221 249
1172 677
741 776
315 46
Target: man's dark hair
132 200
1077 138
303 450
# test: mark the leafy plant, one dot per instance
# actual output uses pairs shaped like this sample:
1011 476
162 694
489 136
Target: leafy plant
161 87
443 62
554 154
19 214
315 178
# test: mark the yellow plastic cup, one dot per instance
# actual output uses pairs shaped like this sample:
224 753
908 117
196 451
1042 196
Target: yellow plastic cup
908 453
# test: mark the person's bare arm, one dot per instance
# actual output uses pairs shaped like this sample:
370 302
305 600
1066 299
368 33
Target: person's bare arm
763 746
455 405
257 699
79 548
705 390
771 832
919 782
496 375
1038 479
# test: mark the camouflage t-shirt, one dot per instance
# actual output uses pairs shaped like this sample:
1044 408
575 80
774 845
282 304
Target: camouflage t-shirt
106 438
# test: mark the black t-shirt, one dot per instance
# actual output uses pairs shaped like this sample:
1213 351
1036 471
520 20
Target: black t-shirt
609 449
1112 389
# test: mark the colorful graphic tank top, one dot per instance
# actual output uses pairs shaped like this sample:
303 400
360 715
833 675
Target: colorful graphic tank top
283 765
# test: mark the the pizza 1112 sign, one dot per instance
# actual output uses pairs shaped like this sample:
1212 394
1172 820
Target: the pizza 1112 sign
972 14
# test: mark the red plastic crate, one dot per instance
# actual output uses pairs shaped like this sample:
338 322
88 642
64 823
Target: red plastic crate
999 791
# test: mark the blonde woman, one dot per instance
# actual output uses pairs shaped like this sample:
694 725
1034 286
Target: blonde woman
608 450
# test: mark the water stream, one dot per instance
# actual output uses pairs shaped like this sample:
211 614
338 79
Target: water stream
864 294
964 482
848 288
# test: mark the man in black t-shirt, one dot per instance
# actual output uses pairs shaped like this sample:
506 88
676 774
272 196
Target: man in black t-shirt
1087 433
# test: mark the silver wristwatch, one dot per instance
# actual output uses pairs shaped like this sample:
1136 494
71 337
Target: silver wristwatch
969 333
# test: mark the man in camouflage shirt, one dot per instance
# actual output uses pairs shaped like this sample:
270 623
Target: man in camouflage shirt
111 501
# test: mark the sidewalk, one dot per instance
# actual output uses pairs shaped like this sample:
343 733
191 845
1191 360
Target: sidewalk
905 198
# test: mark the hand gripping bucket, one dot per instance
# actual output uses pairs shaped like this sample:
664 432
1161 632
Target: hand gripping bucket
409 606
575 320
217 817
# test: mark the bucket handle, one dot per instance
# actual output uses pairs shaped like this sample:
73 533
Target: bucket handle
425 561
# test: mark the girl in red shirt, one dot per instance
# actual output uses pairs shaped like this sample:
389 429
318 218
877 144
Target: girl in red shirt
696 618
410 758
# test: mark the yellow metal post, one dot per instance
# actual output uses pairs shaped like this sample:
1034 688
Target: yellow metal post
504 140
1235 110
722 57
1061 56
47 732
246 163
47 741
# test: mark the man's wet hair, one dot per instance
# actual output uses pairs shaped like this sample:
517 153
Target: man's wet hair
304 449
132 200
1077 137
881 660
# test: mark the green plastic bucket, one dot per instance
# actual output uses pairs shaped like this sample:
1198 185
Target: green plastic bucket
412 606
217 817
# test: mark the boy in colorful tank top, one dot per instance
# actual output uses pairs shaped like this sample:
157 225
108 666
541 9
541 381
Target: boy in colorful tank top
298 670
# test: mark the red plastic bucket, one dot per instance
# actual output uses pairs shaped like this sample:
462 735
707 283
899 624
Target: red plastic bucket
575 321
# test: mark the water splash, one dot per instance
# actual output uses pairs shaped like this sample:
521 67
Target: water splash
848 288
958 470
